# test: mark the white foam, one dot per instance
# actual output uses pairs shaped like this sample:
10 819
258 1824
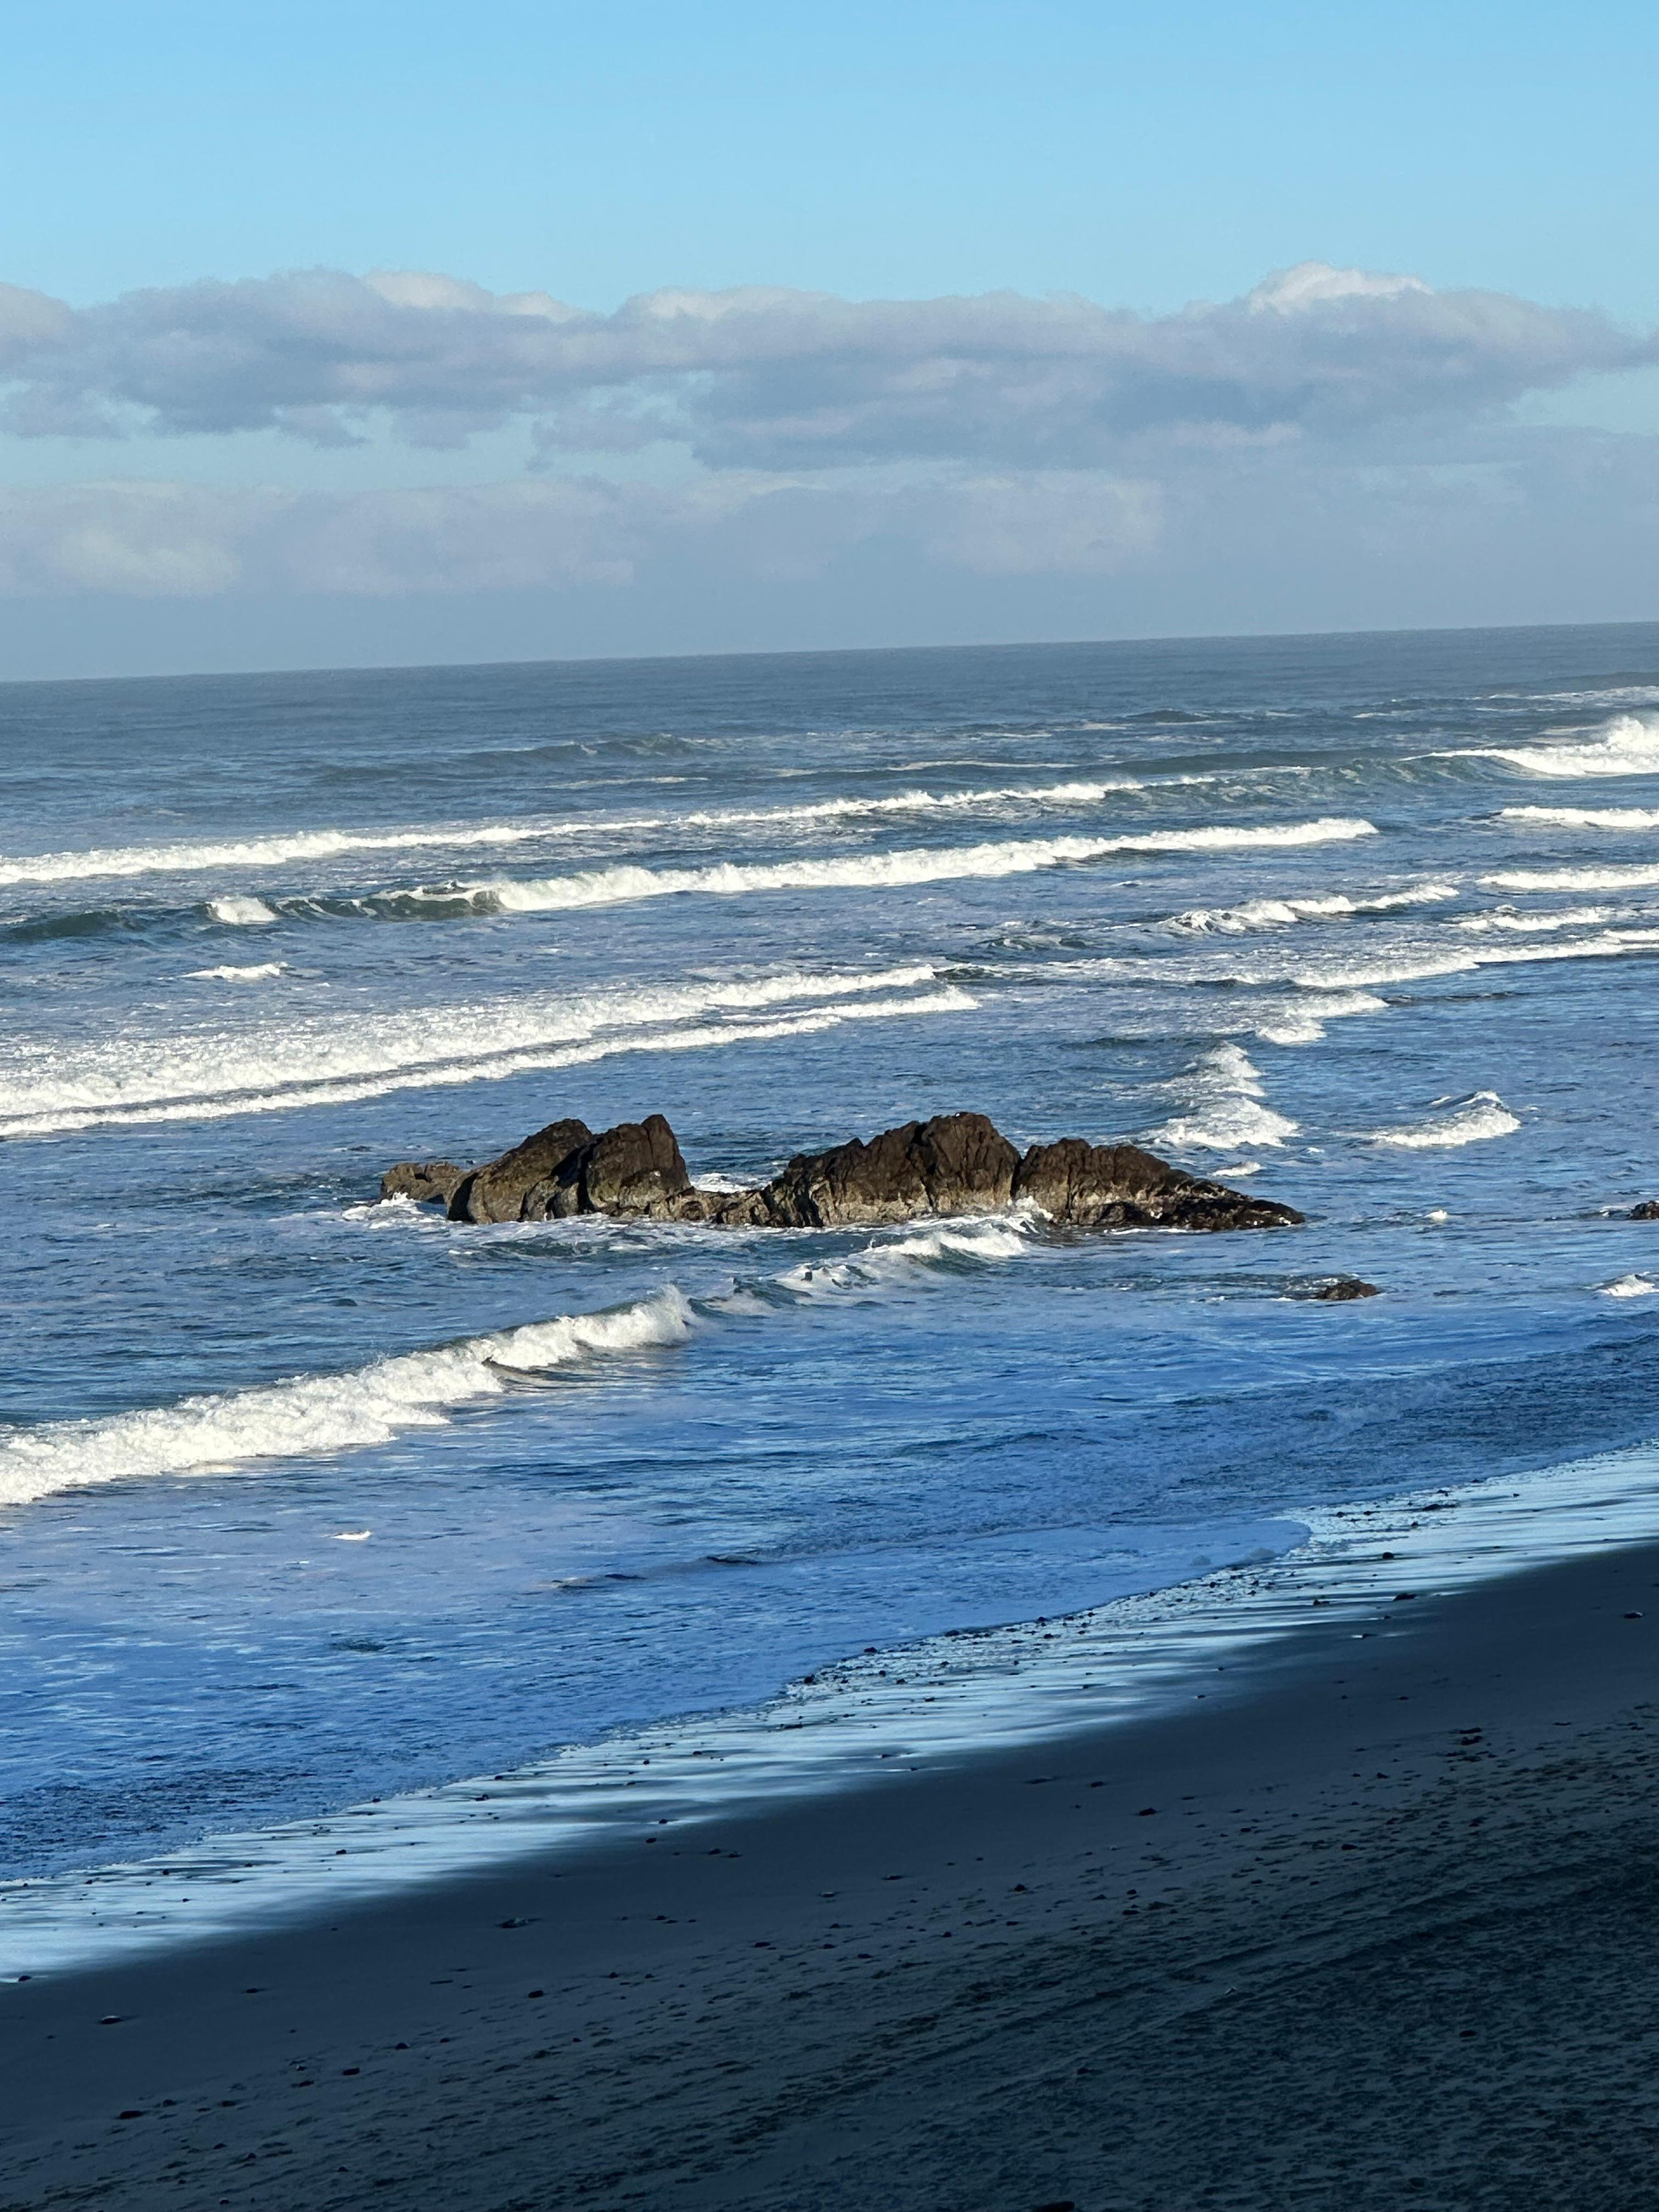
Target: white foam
1630 1286
887 871
184 857
1586 818
319 1413
1280 913
260 972
1571 917
996 1238
1473 1121
241 913
209 1074
1303 1022
1227 1091
1416 966
1628 746
1636 877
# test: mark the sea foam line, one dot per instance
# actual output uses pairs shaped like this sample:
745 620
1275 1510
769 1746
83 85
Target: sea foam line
891 871
73 1111
1585 817
185 858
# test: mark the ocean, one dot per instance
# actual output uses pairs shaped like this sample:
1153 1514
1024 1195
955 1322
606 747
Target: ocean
308 1501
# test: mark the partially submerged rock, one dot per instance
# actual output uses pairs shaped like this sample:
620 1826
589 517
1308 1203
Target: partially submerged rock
1340 1289
1647 1210
422 1180
956 1164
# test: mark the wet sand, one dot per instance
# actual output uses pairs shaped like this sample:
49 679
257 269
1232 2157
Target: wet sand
1374 1924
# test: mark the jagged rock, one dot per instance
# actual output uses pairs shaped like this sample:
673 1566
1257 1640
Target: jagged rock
1120 1186
500 1189
1647 1210
566 1168
422 1180
956 1164
635 1168
1340 1289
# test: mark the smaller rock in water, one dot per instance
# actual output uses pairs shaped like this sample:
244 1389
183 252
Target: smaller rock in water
1341 1288
1647 1210
428 1182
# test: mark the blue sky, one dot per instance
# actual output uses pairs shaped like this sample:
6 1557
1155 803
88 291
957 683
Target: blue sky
1138 158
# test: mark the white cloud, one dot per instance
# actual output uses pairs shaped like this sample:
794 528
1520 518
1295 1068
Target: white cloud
765 377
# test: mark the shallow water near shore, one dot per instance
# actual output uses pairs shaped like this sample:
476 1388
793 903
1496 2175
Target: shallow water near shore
307 1502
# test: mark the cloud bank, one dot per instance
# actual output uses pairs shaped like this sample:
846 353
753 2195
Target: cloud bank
775 379
1328 422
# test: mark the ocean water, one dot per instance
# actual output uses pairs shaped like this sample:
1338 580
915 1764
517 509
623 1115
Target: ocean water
307 1500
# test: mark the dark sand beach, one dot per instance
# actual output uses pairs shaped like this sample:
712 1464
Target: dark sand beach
1375 1924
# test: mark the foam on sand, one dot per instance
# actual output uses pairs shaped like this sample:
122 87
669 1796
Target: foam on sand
209 1073
1472 1121
887 871
317 1413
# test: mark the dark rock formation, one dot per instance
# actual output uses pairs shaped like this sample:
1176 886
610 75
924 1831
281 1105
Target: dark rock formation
565 1169
423 1180
956 1164
1339 1289
1120 1187
500 1189
1647 1210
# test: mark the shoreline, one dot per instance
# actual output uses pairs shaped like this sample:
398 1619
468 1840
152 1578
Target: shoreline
851 1724
1368 1926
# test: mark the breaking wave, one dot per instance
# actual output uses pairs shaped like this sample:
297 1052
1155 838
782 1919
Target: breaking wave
259 972
316 1414
209 1075
1638 876
889 870
1226 1109
1472 1121
241 913
1585 817
1628 746
1280 913
319 1413
185 858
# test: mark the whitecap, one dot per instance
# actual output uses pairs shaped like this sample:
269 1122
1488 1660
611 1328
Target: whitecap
241 913
208 1074
1226 1109
260 972
1637 877
1472 1121
1628 746
887 871
1279 912
321 1413
1585 817
1630 1286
